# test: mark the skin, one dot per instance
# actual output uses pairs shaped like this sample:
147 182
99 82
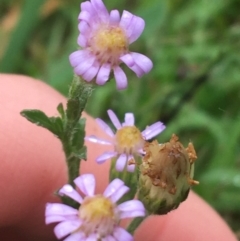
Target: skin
32 168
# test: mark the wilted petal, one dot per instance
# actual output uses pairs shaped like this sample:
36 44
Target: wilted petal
67 227
114 119
120 77
105 127
121 234
121 162
103 74
69 191
105 156
97 140
86 183
59 209
114 17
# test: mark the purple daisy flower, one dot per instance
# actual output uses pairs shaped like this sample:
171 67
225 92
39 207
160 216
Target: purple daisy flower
104 39
128 141
98 216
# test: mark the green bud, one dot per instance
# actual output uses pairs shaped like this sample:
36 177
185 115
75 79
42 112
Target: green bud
166 175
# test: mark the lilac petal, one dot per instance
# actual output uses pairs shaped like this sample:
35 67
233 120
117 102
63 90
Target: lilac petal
69 191
78 236
77 57
135 28
108 238
142 62
105 156
101 9
83 27
121 234
84 16
121 78
128 60
92 237
131 209
58 218
85 65
91 72
67 227
119 193
114 119
86 183
121 162
114 17
59 209
131 168
129 119
125 19
153 130
82 41
97 140
87 6
137 70
103 74
105 127
113 187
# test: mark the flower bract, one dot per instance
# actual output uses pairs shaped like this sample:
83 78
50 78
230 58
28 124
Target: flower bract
98 216
104 41
128 140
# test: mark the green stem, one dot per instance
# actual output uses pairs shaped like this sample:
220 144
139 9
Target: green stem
135 223
72 139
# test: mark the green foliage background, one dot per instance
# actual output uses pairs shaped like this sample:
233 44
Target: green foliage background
194 87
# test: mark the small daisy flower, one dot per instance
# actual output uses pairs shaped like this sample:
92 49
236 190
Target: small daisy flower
98 216
104 40
128 141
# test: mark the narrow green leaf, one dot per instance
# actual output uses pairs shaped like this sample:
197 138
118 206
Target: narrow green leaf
53 124
61 110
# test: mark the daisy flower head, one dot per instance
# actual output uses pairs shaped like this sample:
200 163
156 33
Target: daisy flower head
128 141
98 216
104 40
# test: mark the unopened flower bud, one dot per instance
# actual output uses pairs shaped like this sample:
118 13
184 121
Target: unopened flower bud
166 175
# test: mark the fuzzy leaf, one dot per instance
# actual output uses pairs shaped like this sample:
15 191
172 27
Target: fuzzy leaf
53 124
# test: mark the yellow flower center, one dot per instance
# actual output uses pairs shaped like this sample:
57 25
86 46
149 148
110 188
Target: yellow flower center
98 215
108 44
96 208
128 140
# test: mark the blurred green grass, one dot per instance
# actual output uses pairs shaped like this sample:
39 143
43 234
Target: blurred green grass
194 87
